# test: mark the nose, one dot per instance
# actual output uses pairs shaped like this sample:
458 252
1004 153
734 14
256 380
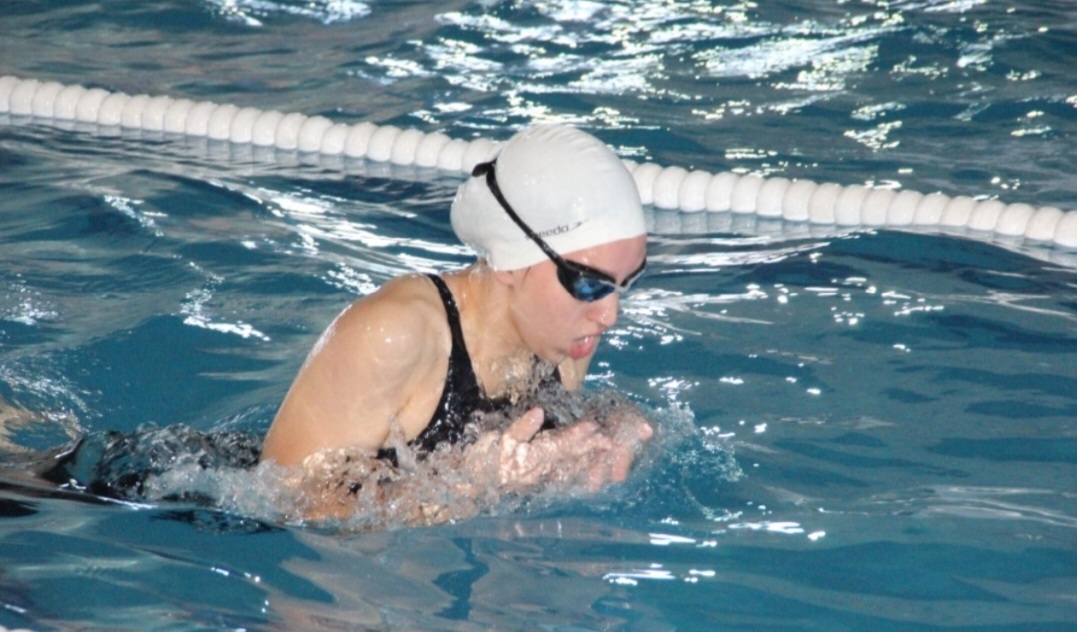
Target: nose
604 311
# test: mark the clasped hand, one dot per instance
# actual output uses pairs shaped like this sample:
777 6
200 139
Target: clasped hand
582 454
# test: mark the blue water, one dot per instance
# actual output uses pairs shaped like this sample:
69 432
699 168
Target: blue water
868 430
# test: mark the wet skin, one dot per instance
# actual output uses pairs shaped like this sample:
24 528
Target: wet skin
382 363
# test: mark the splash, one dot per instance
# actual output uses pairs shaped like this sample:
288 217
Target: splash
354 491
403 486
123 466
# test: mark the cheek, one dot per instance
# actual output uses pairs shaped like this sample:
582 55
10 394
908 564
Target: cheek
545 310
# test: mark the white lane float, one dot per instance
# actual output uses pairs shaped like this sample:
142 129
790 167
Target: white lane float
669 188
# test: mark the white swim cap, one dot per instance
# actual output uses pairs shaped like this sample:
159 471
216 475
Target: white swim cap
565 184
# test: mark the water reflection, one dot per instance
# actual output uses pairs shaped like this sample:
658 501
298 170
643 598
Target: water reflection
254 12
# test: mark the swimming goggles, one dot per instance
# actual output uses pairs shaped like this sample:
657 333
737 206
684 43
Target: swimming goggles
583 282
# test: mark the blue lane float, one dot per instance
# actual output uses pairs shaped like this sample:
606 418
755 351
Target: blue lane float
670 188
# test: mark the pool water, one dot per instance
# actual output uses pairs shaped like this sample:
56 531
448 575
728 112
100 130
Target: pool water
857 429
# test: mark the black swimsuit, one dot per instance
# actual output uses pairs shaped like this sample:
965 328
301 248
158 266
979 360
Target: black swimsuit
462 396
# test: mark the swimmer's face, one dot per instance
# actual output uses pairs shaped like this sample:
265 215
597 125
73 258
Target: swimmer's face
557 326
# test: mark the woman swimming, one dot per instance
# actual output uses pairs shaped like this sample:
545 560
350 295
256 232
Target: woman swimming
558 227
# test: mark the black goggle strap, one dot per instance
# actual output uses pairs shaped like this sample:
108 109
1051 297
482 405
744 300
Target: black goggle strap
631 279
487 169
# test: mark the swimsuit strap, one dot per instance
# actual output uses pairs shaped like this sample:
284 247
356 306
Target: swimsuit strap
452 314
461 395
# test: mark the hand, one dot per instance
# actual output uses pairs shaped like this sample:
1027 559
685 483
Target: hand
581 454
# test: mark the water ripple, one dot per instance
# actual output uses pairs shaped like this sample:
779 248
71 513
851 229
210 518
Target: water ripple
252 12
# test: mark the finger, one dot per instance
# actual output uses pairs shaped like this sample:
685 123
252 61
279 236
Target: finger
577 432
571 438
621 463
644 431
596 477
527 426
588 441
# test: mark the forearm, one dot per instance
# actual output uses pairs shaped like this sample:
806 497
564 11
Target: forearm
455 484
365 491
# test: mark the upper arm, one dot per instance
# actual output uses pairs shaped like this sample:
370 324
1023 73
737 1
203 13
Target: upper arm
359 378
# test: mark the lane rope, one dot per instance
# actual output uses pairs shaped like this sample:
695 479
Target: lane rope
669 188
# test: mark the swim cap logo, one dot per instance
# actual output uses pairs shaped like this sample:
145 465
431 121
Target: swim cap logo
559 230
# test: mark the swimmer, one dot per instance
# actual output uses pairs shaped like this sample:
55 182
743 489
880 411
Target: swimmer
556 222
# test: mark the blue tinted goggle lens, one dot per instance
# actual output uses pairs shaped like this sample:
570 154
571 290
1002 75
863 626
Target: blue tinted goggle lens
589 285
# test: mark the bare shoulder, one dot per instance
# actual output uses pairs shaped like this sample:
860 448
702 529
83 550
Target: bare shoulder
395 326
403 303
363 373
